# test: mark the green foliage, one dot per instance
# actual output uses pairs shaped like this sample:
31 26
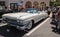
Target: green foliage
51 3
58 3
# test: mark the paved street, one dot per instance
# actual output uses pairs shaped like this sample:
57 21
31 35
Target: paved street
46 30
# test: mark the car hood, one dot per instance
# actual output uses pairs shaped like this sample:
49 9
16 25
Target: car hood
21 15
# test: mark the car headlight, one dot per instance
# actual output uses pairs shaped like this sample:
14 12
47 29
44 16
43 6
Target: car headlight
3 17
22 22
19 21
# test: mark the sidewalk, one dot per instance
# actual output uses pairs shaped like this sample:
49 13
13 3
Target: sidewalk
50 14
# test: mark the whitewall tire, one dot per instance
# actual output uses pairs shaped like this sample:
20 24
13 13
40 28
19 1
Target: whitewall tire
29 25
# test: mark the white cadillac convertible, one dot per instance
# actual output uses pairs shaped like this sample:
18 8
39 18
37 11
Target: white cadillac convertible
25 19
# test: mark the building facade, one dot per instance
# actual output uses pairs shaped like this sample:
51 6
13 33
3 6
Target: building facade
7 2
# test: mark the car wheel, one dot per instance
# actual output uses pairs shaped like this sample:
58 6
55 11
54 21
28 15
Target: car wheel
29 25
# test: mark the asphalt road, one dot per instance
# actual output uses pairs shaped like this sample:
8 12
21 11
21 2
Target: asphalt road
46 30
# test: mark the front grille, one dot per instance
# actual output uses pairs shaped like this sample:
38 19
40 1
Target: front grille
10 20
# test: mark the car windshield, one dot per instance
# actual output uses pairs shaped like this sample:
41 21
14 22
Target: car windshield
30 10
1 7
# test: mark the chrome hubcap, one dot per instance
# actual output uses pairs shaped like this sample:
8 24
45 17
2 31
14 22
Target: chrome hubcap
29 25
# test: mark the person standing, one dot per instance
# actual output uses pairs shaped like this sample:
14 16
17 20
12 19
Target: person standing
48 10
54 11
20 6
58 18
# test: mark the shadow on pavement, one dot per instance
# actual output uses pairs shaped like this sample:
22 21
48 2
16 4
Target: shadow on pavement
53 23
55 30
12 33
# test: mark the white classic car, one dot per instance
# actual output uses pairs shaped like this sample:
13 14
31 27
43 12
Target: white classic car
25 19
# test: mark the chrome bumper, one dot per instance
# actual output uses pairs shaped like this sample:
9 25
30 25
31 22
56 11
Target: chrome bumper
19 27
3 24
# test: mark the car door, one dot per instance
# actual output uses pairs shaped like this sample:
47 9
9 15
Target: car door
36 17
44 14
40 15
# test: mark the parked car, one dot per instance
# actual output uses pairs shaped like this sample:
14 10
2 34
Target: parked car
24 19
3 11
